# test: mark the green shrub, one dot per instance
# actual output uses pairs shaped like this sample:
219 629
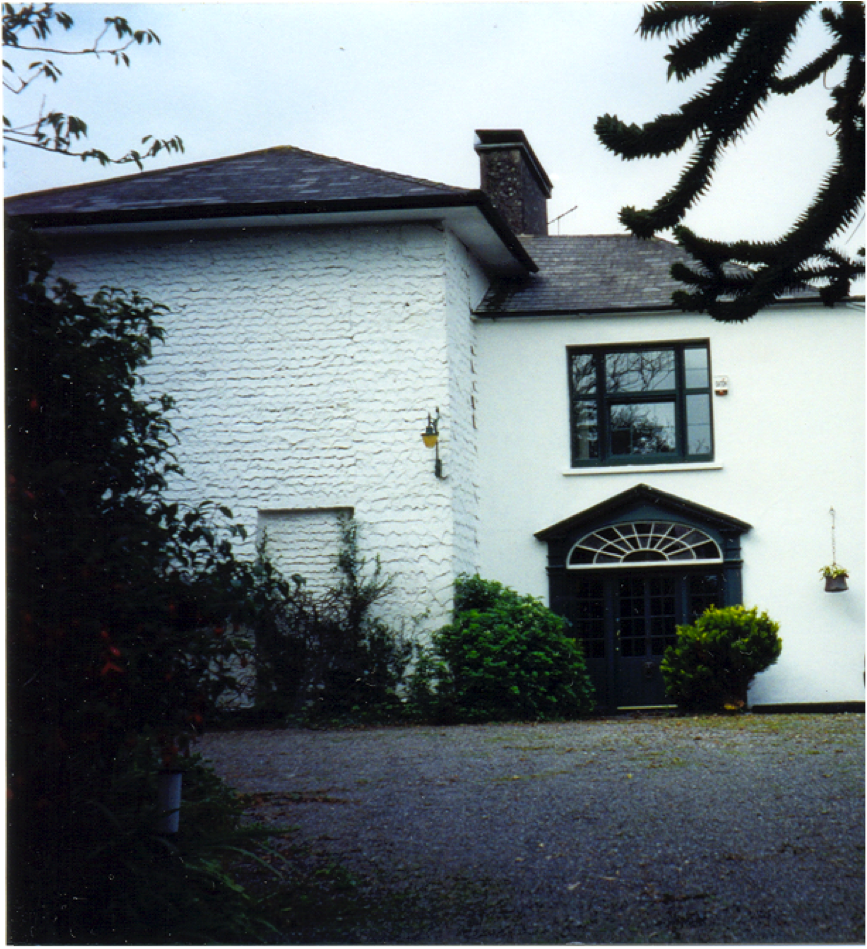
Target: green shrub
713 662
504 657
327 657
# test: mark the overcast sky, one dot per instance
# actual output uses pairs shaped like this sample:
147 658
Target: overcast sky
403 85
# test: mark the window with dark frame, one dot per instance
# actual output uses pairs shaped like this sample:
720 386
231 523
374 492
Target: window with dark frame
640 404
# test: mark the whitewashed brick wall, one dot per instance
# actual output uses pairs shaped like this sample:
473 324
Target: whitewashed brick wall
466 286
304 364
305 542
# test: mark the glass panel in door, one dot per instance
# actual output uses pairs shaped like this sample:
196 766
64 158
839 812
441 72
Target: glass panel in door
646 611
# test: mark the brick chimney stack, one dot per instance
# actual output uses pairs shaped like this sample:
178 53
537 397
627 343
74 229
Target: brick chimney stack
514 180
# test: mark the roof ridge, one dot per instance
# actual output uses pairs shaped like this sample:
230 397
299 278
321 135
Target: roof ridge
137 176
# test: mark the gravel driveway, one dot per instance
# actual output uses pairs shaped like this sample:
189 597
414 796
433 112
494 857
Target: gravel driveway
746 829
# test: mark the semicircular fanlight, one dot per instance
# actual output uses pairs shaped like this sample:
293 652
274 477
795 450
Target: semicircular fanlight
644 542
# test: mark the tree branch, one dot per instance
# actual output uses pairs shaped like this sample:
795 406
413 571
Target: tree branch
55 131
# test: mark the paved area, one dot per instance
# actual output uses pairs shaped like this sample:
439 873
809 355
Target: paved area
745 829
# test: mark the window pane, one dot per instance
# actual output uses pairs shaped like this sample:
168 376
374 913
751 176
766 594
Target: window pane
583 369
696 368
704 591
585 431
645 405
644 429
645 371
698 430
589 620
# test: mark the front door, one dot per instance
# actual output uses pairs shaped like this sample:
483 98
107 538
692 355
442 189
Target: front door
645 618
626 620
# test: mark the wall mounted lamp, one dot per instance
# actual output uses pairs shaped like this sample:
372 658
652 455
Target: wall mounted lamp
431 437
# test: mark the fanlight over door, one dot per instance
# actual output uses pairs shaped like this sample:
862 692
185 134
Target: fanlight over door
644 542
626 572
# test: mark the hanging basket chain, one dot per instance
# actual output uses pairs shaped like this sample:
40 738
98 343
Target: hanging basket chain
833 538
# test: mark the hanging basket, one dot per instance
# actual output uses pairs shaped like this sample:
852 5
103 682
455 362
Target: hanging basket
835 576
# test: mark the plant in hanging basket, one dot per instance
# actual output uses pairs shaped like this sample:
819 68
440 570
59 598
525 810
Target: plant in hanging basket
835 578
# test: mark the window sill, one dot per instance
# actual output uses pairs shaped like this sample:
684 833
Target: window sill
643 469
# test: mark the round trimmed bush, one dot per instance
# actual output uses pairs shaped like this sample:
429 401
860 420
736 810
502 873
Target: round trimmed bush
504 657
713 662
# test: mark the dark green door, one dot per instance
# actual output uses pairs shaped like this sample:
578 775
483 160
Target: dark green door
626 620
646 618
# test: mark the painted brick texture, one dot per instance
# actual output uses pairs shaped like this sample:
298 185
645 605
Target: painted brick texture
304 364
466 286
303 542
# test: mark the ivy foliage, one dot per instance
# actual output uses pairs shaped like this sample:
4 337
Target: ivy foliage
713 662
327 657
27 32
748 44
120 604
504 657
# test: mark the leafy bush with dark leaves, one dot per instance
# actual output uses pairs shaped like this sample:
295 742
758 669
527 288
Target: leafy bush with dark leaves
120 604
504 657
713 662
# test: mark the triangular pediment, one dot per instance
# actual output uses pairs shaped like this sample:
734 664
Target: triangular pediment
640 503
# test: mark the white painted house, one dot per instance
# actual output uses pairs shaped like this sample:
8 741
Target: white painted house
626 462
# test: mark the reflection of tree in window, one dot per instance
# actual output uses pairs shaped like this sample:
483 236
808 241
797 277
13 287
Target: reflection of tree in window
644 429
640 404
583 374
585 423
645 371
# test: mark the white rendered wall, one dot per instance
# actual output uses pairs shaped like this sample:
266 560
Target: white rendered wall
304 364
789 445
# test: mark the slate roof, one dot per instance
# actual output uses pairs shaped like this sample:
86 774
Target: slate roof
588 274
607 273
282 185
576 274
282 175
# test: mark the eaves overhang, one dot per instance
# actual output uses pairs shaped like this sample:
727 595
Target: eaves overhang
572 313
469 214
569 312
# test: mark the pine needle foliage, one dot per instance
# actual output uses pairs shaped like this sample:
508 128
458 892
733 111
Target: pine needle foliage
748 45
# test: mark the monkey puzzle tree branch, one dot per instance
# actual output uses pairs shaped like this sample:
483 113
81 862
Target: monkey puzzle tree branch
752 42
